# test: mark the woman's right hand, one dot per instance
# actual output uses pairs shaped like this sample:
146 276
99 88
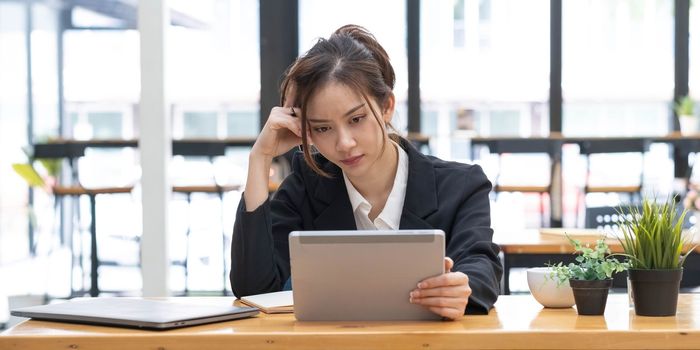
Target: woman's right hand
281 132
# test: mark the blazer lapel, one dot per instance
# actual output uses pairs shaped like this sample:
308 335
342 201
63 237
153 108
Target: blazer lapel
421 190
338 214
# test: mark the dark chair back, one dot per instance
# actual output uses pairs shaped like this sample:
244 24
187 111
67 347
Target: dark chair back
608 217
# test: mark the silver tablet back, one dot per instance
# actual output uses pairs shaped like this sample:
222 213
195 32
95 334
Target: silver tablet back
362 275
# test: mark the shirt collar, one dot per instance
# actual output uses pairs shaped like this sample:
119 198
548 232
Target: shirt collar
356 199
391 214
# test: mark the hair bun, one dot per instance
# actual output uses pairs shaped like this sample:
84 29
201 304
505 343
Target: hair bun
364 37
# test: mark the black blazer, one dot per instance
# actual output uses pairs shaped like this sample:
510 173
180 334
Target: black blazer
450 196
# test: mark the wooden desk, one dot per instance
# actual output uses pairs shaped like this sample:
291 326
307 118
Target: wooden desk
517 322
529 248
530 241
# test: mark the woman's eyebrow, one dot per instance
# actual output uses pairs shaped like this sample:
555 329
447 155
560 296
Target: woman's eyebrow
352 110
348 113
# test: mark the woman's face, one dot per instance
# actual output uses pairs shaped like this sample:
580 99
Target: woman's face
344 130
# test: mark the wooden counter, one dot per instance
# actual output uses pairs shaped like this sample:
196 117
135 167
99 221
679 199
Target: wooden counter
517 322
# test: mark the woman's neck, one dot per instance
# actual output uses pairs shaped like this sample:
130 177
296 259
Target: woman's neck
377 183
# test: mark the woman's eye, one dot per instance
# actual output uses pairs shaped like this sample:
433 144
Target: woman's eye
321 129
357 119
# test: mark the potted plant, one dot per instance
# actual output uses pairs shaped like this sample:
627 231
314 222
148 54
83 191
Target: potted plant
590 277
44 177
653 239
684 109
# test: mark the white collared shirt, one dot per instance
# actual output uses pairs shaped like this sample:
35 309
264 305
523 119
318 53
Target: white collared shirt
390 217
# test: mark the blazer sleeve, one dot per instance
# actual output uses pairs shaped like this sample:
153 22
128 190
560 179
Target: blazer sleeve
260 246
471 244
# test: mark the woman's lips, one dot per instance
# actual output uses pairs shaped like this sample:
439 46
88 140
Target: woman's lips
352 160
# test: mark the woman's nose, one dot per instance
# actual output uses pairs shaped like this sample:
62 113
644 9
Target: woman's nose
346 140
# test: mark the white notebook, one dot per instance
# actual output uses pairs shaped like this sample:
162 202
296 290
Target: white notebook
271 303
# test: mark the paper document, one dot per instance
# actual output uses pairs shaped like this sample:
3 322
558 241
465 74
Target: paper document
271 303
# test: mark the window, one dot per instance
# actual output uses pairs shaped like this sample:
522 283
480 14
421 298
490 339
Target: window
200 125
617 67
101 66
106 124
219 64
484 70
694 78
458 22
45 71
242 123
100 120
13 130
385 19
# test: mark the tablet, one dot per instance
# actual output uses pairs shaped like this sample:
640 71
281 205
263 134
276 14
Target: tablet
134 313
363 275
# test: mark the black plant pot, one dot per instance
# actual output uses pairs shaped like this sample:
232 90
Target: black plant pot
591 296
655 292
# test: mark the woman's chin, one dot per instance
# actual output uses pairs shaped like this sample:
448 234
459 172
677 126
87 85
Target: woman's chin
354 171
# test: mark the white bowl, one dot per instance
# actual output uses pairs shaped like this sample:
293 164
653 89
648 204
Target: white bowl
546 291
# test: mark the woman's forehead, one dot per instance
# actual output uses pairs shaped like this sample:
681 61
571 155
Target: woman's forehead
333 99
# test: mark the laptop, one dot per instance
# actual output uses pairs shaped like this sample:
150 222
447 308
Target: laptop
363 275
134 313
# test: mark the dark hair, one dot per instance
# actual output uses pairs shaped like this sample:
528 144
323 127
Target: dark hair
351 56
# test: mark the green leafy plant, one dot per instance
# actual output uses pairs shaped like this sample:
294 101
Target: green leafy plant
652 237
685 106
27 172
38 173
33 175
592 263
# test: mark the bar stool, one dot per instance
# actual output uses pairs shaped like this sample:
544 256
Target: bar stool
589 148
92 193
209 150
219 190
188 191
502 147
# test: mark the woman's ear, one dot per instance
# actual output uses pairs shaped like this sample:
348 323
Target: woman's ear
388 110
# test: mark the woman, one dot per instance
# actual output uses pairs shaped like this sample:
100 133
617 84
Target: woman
338 98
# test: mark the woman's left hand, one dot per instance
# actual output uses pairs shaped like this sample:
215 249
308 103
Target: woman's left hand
446 295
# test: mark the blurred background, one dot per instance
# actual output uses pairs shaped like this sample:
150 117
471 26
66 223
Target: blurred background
595 87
